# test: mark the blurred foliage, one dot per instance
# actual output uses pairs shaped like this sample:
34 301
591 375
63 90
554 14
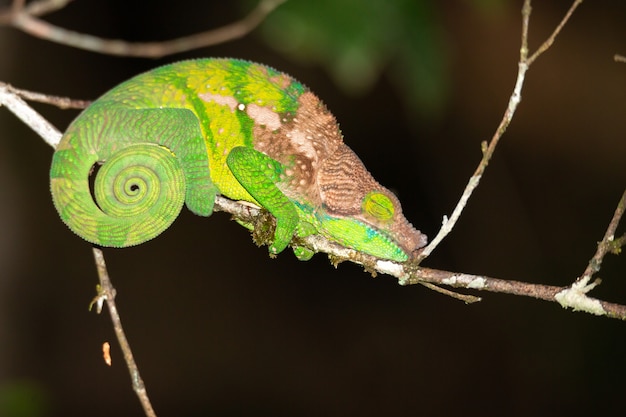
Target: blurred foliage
359 41
23 399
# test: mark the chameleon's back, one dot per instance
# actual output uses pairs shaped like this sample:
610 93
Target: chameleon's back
229 98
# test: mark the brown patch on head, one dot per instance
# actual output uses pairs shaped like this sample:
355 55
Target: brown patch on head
344 183
301 143
321 170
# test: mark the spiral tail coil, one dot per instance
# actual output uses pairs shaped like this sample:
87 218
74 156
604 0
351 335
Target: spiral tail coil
150 160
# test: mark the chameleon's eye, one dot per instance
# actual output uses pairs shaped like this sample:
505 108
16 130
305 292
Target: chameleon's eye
378 205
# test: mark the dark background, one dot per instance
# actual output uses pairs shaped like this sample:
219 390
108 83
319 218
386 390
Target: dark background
220 329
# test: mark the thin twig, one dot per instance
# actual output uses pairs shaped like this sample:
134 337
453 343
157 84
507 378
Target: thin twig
467 298
619 58
41 7
52 136
57 101
34 8
489 149
576 295
29 116
538 291
106 292
548 42
607 244
44 30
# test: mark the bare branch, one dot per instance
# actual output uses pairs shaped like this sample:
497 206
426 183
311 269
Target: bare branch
408 274
514 100
106 292
42 7
30 24
57 101
467 298
576 295
548 42
29 116
538 291
607 245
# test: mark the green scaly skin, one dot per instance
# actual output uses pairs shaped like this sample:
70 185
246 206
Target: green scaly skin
188 131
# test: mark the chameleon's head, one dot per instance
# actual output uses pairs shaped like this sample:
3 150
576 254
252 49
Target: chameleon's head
363 214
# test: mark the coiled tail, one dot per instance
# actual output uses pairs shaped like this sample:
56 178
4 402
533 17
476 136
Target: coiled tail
146 164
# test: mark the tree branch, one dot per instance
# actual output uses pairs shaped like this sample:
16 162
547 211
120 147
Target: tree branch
13 102
408 274
21 18
619 58
57 101
489 149
573 296
608 243
106 292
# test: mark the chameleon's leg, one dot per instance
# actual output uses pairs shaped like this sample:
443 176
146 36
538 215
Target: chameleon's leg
258 174
153 160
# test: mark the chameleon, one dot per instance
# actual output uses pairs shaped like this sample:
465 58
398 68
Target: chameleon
183 133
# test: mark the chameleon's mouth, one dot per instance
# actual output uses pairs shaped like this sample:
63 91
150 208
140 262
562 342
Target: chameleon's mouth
408 237
402 233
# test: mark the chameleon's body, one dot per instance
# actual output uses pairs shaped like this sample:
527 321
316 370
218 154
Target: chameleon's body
191 130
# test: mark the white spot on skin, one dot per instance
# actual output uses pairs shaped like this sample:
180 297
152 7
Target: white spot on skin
264 116
303 145
228 101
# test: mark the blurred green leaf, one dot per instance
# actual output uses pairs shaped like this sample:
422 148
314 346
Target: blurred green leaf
23 399
356 41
